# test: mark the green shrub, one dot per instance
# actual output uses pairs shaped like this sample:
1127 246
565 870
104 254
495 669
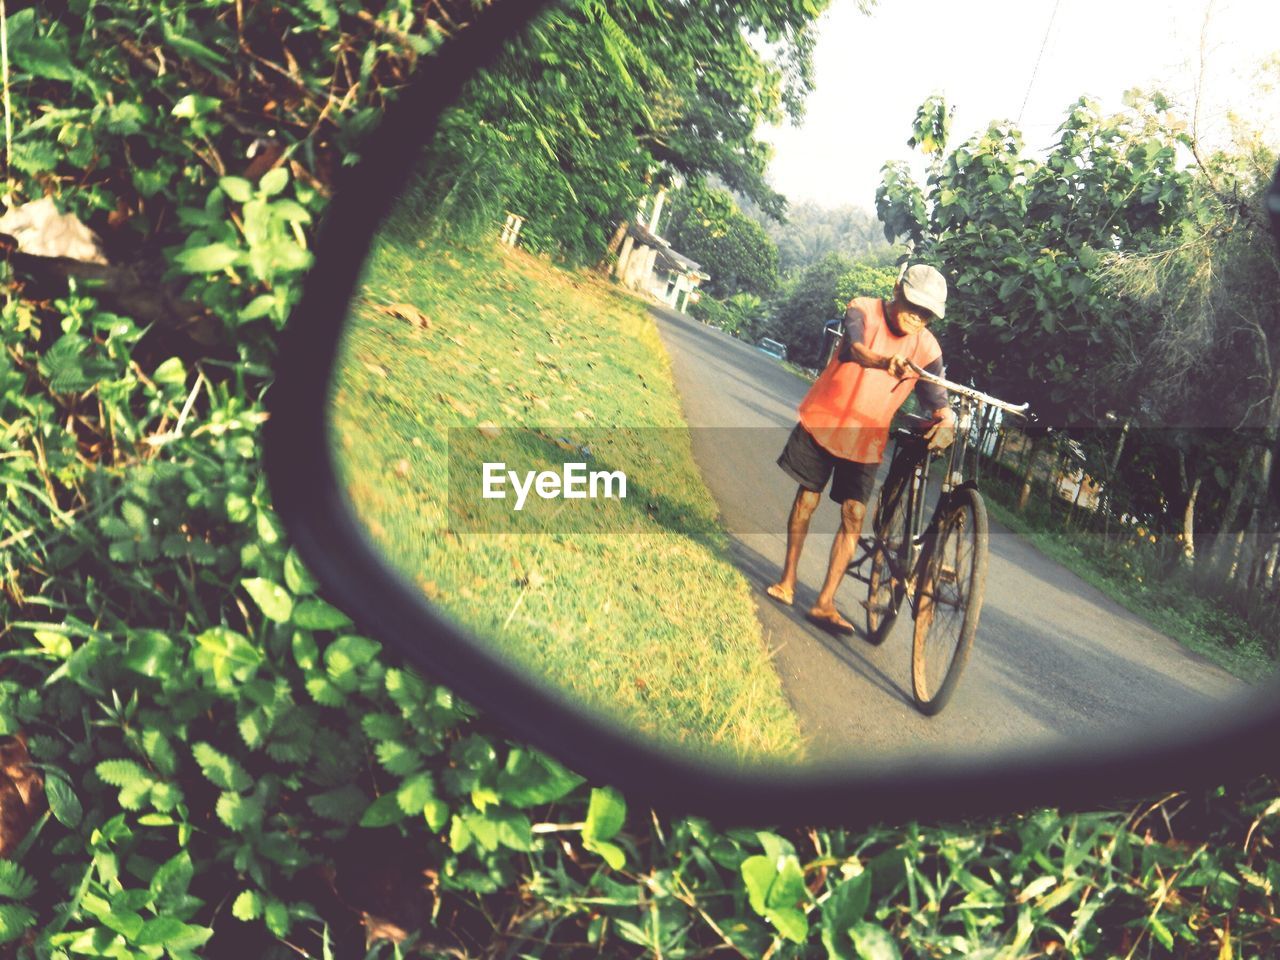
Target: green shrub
227 766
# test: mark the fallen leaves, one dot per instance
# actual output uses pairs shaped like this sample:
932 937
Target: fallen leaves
458 406
408 313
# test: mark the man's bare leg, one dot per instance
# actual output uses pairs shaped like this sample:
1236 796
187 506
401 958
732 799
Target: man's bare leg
806 501
842 548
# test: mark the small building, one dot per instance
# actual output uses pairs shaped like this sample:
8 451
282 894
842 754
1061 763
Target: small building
648 263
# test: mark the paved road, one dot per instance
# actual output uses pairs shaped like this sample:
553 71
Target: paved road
1054 658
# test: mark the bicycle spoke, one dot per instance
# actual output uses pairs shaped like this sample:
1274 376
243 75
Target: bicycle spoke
946 611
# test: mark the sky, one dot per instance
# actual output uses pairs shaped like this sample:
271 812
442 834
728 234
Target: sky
999 59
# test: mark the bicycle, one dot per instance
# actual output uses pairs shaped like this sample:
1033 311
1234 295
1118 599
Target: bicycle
941 566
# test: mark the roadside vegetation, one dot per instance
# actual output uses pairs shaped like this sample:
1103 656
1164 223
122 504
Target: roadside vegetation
1132 298
636 611
202 758
1129 569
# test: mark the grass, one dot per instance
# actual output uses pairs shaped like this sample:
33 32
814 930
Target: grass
1199 624
632 606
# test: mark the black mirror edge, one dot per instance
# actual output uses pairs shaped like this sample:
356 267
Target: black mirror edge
331 541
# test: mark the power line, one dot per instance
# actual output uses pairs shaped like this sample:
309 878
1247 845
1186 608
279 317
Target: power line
1036 69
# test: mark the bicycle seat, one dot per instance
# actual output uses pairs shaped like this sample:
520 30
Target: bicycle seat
913 426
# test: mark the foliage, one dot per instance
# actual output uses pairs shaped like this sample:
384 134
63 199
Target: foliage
743 315
228 765
811 232
804 305
595 108
866 278
1111 282
707 226
1020 239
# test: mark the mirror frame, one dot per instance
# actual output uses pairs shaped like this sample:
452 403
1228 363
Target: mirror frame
387 607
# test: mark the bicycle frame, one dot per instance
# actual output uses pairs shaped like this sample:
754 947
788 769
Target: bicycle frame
907 440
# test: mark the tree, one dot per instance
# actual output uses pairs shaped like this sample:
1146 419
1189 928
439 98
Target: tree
810 232
593 107
1206 346
707 226
804 306
1020 240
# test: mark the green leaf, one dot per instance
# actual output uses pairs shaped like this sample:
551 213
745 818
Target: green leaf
171 373
40 56
258 307
63 802
776 891
290 211
611 853
15 882
170 883
343 805
208 259
15 920
276 916
844 909
273 600
516 832
273 181
606 812
221 770
148 652
415 793
159 751
346 655
226 654
383 812
296 576
873 943
123 773
185 937
247 905
314 614
191 48
530 779
238 811
237 188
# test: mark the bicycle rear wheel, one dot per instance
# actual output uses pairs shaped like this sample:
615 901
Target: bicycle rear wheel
884 592
950 584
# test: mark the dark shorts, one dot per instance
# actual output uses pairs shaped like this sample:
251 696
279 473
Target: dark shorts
810 464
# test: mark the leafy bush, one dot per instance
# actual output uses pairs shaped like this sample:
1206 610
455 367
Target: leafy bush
223 765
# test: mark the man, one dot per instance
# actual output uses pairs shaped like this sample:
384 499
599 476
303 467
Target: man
844 421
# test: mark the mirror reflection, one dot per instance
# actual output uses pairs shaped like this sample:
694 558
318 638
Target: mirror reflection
941 419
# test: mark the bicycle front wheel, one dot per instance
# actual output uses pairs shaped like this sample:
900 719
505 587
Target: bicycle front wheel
950 583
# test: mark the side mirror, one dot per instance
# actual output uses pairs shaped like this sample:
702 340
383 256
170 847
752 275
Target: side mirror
432 377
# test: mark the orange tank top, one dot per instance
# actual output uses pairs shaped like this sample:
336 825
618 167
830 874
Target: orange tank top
849 407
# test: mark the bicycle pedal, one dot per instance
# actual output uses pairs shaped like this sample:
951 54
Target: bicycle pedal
947 574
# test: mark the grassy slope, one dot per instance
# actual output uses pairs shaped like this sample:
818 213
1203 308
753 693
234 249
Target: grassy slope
654 623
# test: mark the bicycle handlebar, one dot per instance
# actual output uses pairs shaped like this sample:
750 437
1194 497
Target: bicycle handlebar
1017 411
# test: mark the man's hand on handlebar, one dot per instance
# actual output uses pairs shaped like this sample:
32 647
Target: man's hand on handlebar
943 432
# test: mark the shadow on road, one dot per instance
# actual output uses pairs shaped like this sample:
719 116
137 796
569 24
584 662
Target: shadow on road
761 571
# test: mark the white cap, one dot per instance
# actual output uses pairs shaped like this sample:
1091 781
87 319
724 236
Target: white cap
925 287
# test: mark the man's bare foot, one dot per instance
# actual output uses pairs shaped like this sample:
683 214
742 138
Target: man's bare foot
829 619
784 595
